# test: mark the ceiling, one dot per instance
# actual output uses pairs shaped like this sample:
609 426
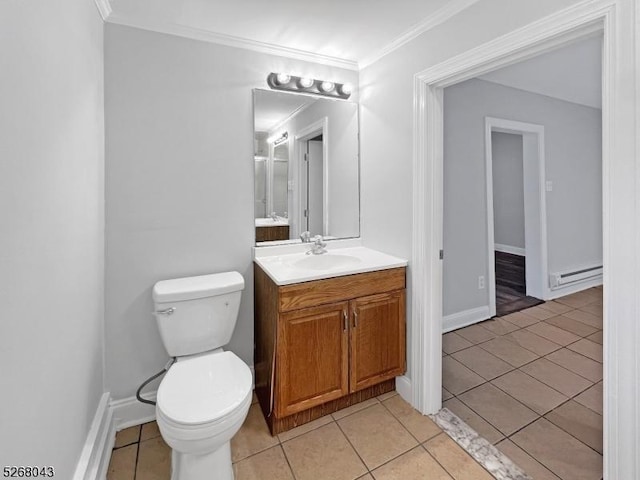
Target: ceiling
271 108
349 32
572 73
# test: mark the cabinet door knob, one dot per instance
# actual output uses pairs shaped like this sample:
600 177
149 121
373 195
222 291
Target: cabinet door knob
344 320
355 318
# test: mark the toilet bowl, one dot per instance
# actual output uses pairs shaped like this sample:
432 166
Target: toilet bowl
205 396
201 404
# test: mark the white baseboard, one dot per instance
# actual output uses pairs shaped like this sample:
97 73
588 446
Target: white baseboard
95 456
128 412
403 387
464 318
499 247
574 288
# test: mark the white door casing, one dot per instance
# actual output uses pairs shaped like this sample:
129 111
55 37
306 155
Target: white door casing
619 21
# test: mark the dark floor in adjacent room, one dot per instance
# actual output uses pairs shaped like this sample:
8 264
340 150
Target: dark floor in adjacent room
511 287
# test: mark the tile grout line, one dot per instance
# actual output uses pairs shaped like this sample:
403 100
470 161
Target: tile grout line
401 425
286 458
352 446
436 460
135 469
565 431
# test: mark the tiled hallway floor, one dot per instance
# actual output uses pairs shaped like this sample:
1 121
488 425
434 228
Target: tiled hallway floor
382 438
531 383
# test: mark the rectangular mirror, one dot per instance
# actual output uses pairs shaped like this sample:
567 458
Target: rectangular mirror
306 157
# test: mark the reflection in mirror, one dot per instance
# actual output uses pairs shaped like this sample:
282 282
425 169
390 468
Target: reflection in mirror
306 167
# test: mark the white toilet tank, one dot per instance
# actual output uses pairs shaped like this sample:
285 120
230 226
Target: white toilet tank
197 314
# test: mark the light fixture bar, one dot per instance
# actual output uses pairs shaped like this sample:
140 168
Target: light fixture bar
291 83
278 139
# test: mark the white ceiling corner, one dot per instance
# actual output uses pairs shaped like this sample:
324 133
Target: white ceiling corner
104 8
348 35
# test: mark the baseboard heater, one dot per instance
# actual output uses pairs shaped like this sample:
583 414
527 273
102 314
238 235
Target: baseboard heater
557 280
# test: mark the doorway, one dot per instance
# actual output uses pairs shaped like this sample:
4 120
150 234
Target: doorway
311 187
523 362
536 38
311 180
516 215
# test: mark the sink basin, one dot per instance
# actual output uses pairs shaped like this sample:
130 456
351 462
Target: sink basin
326 262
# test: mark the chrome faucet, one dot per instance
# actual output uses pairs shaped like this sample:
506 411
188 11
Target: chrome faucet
305 236
273 216
318 247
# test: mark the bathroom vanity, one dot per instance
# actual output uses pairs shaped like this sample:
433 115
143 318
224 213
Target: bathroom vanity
329 331
329 327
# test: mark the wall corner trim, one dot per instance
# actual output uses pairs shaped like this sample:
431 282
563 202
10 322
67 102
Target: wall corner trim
96 453
104 8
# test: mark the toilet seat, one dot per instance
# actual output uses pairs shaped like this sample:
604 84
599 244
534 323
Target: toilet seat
201 392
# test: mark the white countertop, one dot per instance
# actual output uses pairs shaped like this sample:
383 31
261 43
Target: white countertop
285 264
270 222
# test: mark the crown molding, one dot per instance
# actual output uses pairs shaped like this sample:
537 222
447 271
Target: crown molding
104 8
439 16
451 9
229 40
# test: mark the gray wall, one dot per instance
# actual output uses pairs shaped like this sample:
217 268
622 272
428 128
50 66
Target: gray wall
179 180
573 155
52 230
508 189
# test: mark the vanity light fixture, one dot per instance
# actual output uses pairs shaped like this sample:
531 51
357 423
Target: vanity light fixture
291 83
278 139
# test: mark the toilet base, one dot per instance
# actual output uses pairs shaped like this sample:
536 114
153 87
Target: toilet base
217 464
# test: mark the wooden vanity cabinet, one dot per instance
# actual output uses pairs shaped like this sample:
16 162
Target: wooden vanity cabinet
312 357
377 339
271 233
326 344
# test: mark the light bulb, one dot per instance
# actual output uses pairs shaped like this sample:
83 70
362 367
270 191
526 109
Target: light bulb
306 82
327 86
346 89
282 78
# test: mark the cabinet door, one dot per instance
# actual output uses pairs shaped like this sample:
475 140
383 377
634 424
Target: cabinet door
313 357
377 334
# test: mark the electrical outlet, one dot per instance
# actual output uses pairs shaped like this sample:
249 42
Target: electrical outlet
481 282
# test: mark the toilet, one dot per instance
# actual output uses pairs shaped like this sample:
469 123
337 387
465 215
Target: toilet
205 396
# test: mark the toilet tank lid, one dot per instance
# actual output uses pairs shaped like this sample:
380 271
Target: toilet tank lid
191 288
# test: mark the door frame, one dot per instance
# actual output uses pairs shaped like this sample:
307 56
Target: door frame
320 126
535 205
619 22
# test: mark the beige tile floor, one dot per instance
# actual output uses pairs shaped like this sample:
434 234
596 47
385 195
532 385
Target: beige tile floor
383 438
531 383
